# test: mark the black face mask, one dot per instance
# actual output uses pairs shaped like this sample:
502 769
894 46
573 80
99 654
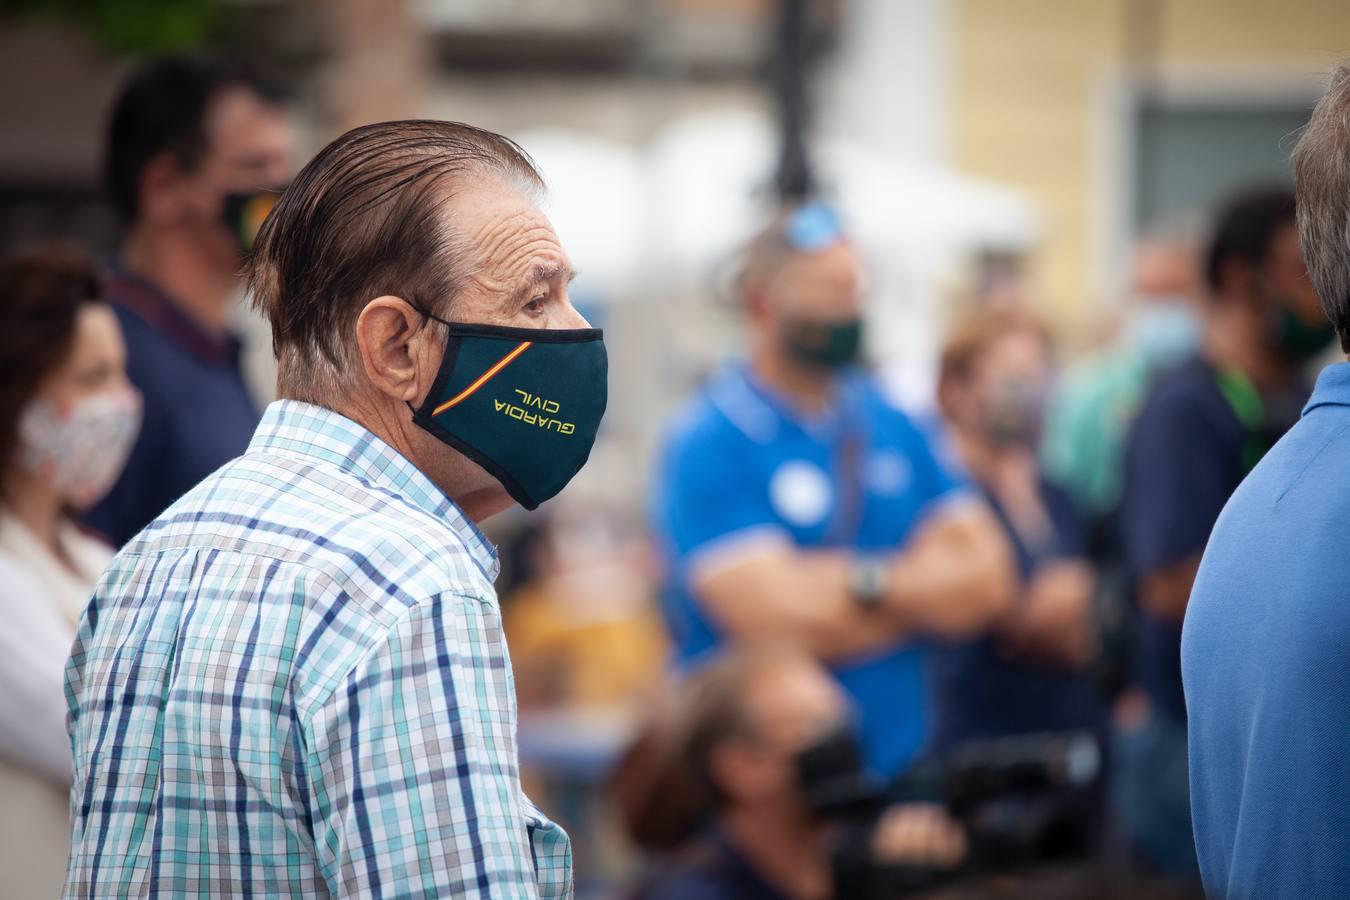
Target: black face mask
832 774
523 403
244 213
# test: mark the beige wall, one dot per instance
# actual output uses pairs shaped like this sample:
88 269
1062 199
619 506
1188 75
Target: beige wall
1036 93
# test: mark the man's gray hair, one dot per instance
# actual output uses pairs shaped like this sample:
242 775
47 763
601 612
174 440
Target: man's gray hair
1322 181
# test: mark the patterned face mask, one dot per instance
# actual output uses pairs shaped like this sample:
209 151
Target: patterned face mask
82 452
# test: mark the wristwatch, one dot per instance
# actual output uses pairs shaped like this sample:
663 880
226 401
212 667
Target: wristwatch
868 578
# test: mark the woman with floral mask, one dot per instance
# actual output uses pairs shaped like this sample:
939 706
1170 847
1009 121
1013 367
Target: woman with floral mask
1029 673
68 417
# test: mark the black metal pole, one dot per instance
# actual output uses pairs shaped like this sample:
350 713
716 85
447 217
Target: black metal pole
794 180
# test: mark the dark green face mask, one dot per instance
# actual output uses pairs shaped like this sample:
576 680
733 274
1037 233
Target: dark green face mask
523 403
824 344
1296 340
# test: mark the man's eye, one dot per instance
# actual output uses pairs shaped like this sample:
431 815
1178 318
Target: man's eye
536 305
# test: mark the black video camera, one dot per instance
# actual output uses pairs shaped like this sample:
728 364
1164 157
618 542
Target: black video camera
1023 801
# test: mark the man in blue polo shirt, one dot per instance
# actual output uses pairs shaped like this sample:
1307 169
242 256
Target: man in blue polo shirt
192 146
1266 647
794 503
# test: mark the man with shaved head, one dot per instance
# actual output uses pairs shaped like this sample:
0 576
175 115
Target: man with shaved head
294 681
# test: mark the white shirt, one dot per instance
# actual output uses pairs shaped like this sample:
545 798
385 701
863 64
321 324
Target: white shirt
40 602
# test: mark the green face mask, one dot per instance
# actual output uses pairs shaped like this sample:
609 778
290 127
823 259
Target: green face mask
824 345
1296 340
523 403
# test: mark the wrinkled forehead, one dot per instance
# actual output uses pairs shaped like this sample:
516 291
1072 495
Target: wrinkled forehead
505 232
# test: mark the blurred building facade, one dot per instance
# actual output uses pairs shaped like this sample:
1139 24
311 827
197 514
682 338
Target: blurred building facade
1116 113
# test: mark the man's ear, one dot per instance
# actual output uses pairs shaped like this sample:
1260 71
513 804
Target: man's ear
158 189
389 334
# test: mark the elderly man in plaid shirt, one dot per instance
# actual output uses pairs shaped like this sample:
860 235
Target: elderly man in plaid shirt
294 681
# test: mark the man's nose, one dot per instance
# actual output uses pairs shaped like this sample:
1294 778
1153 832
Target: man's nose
572 317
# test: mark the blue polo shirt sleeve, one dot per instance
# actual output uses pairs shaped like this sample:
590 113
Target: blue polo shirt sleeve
1174 490
703 499
927 445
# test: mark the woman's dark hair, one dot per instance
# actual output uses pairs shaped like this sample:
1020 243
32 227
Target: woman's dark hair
664 785
42 290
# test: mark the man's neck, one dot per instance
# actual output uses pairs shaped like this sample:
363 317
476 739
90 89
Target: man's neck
1236 341
805 389
785 851
176 265
479 497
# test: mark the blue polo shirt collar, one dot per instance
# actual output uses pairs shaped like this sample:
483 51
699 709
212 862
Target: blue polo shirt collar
158 310
760 411
1333 388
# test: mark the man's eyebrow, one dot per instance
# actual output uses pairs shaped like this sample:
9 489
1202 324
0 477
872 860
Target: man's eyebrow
545 273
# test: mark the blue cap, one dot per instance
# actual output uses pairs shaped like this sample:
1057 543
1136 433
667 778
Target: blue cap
813 226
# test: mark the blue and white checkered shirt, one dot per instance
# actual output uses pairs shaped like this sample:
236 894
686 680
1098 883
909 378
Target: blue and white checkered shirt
294 683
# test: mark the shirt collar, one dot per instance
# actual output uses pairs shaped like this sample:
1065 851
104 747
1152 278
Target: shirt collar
150 303
318 433
1333 387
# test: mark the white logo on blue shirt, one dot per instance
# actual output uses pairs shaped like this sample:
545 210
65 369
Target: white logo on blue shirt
801 493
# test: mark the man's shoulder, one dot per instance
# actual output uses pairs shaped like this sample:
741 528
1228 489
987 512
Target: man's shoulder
365 539
715 418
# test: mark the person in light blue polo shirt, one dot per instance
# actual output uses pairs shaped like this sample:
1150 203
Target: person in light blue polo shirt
794 503
1265 651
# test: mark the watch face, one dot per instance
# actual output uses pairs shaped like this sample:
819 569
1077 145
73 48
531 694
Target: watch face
869 581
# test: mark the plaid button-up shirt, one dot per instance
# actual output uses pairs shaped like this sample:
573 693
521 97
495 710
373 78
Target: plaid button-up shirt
294 683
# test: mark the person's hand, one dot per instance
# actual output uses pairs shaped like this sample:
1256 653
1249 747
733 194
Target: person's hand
1054 622
919 834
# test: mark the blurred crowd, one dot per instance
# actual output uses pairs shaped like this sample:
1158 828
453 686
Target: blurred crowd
850 647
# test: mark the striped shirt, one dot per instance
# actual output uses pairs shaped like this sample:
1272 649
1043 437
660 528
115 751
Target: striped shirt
294 683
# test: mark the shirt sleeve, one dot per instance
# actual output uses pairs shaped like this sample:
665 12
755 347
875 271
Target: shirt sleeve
937 473
704 498
1175 486
413 769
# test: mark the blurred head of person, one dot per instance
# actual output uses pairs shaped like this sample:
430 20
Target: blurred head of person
1163 323
196 151
412 284
994 381
801 286
68 415
1322 178
1260 293
753 715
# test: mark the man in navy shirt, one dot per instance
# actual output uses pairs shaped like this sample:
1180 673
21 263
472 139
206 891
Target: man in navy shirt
192 149
1202 428
793 502
1266 648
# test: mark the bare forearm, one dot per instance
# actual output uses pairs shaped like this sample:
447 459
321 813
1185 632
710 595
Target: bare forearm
802 597
955 582
1166 591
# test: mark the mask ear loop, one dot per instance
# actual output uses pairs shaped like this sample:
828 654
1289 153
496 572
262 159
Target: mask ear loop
426 315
